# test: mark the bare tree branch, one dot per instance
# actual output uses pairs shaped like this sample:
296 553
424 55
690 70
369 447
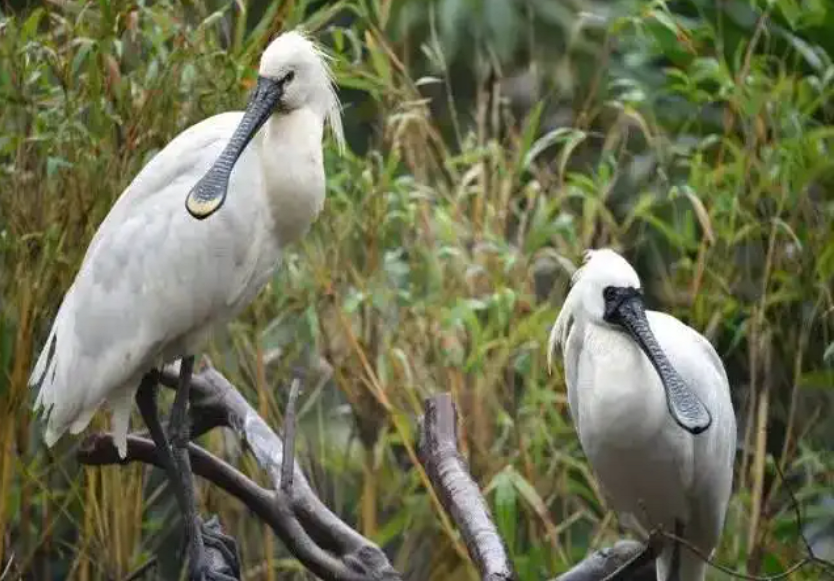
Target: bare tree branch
321 541
288 465
458 492
462 499
626 561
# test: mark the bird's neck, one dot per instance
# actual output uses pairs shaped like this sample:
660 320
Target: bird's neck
293 171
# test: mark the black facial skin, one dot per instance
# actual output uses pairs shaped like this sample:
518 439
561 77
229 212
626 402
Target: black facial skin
624 307
209 193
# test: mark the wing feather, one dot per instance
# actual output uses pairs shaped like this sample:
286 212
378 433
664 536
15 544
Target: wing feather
152 281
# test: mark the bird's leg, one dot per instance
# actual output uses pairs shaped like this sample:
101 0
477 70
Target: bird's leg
674 569
179 432
212 536
146 401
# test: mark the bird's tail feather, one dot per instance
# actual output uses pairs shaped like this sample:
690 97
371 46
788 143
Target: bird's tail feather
121 403
44 359
69 386
54 431
48 356
50 376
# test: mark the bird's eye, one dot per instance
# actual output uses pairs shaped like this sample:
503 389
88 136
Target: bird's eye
608 293
288 77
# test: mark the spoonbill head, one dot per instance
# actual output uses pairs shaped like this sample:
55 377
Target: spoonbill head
650 400
293 75
299 68
606 292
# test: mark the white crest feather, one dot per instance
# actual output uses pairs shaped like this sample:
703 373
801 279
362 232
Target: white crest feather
561 328
334 111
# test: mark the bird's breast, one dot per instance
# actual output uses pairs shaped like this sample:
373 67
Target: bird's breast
640 457
621 397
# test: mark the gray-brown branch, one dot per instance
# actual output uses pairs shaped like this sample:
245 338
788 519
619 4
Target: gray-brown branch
626 561
321 541
458 492
463 501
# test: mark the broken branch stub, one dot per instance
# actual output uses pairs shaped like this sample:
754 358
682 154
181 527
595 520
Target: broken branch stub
627 560
458 493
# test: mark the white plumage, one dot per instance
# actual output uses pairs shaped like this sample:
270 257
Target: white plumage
155 280
653 472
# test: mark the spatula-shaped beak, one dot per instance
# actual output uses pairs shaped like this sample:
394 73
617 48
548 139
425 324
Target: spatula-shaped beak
624 307
208 195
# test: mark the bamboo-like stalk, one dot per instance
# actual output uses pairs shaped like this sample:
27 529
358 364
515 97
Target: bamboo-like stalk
369 493
757 506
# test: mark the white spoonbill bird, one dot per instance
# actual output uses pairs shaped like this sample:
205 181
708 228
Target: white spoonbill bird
651 403
165 267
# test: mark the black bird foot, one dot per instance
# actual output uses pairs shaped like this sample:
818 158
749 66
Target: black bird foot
371 563
222 544
219 561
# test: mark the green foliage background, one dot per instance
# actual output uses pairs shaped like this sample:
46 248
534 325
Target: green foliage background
491 142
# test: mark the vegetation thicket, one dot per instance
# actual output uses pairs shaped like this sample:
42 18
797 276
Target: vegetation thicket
490 143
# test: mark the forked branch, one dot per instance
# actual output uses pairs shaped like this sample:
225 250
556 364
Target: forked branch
321 541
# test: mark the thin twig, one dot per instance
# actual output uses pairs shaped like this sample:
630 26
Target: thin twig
795 506
799 526
8 567
288 464
809 560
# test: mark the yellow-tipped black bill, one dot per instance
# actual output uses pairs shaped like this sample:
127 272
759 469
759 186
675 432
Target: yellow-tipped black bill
208 195
624 307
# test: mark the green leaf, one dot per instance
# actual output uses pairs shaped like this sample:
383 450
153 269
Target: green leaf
54 164
567 135
7 334
528 134
85 45
30 27
820 379
828 356
528 492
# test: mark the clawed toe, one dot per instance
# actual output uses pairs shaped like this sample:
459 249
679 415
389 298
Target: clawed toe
221 549
213 568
